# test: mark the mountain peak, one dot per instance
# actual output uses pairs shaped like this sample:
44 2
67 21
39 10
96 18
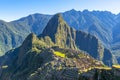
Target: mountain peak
29 40
59 32
73 10
58 17
31 36
56 23
86 11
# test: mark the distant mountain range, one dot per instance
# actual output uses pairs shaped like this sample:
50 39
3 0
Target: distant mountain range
102 24
58 53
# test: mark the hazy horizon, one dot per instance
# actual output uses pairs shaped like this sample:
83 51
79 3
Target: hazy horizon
12 9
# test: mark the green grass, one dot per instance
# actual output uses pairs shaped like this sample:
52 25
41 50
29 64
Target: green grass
116 66
5 66
105 68
57 53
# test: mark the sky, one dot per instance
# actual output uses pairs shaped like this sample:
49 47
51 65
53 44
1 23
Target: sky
14 9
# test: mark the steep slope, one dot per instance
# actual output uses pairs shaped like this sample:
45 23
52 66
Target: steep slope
65 37
59 32
10 37
116 33
116 37
13 33
35 23
98 23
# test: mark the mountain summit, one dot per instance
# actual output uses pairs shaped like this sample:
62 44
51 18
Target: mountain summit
59 32
55 22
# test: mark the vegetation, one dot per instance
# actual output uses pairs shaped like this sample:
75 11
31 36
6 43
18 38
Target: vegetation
105 68
57 53
116 66
12 34
5 66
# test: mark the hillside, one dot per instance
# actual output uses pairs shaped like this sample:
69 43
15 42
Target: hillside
12 34
98 23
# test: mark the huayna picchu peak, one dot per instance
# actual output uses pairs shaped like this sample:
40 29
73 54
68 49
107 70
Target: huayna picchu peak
59 53
59 32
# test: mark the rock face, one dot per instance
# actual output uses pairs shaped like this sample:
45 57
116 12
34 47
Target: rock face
59 32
